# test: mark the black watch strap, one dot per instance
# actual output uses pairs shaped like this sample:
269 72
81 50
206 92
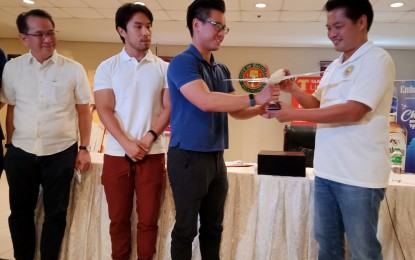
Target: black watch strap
83 147
252 100
155 136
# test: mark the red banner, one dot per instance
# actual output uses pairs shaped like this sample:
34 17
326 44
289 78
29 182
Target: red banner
309 85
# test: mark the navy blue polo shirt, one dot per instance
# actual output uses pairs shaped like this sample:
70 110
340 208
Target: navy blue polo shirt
191 128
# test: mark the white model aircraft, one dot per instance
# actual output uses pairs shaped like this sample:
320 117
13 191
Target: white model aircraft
275 77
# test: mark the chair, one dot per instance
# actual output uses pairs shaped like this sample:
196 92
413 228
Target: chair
301 138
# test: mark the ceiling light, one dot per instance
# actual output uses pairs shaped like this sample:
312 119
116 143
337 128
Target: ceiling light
260 5
30 2
396 5
139 3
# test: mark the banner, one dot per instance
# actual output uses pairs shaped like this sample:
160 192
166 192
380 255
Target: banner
403 105
309 85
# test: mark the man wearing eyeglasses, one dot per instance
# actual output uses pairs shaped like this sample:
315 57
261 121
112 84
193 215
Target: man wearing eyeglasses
48 99
200 102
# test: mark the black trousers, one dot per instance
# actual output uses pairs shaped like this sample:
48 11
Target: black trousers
1 149
25 173
199 184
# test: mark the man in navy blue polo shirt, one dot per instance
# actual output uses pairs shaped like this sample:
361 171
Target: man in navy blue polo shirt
200 102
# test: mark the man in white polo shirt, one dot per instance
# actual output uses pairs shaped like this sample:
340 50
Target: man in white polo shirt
133 104
351 161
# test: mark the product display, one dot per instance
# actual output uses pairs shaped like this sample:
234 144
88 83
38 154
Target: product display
404 102
397 133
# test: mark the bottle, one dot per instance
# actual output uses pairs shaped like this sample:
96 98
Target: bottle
397 135
396 165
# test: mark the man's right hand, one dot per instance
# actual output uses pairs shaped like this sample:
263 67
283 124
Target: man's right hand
135 150
268 93
288 85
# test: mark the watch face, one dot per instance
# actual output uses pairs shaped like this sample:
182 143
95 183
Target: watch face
252 100
87 148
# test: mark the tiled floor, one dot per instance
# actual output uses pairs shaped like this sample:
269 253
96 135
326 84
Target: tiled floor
6 248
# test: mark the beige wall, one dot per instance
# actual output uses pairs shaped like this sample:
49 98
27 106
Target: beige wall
247 137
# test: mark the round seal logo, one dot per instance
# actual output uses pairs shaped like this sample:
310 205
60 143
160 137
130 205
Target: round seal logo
250 71
348 71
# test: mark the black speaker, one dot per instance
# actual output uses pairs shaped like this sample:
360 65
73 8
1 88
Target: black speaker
282 163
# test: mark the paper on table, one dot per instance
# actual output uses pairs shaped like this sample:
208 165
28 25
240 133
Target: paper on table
237 163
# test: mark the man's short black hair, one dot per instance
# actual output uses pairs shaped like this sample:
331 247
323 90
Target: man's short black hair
200 9
126 11
21 20
354 9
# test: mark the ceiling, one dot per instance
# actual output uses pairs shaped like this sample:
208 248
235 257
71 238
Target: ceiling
283 23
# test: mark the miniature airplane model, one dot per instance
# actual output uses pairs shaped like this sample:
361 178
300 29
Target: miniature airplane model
275 77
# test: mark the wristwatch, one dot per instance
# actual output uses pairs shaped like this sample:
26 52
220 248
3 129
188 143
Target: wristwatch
87 148
252 100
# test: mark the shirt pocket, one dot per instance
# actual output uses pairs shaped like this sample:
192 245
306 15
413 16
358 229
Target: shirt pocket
59 93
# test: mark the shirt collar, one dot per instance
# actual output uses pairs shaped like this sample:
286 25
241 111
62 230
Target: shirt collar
359 52
53 58
193 50
125 57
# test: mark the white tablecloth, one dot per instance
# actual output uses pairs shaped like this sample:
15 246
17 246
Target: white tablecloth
266 217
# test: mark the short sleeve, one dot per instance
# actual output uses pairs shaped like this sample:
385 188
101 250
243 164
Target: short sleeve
183 69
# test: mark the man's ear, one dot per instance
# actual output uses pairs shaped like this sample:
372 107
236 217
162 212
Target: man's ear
362 22
195 24
121 31
24 39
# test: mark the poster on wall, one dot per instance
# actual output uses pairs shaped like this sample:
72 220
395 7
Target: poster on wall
402 124
309 85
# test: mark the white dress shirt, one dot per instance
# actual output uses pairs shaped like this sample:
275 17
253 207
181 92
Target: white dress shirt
44 97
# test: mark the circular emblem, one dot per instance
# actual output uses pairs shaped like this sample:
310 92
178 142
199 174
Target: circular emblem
251 71
348 71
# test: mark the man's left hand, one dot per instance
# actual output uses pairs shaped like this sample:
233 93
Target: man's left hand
83 160
285 114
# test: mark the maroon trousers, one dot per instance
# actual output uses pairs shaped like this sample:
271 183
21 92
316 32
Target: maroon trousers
147 179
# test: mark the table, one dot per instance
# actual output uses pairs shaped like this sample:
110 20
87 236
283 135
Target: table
266 217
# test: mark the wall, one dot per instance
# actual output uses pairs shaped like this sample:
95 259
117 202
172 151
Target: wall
247 137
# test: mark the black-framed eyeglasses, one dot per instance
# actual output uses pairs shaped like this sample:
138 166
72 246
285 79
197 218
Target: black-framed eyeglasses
218 26
42 35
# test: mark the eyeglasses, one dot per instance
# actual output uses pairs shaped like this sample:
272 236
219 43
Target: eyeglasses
218 26
42 35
